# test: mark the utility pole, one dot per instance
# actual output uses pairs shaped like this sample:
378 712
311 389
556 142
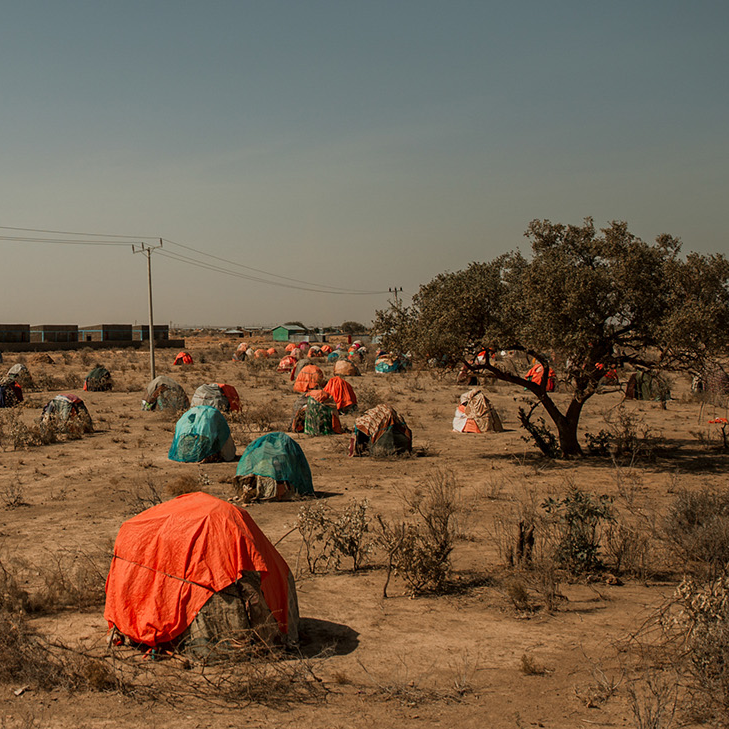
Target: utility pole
395 290
147 250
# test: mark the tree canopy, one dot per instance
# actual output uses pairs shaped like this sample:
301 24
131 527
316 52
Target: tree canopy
353 327
585 298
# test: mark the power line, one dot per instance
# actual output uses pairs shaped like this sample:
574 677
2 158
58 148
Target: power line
293 283
62 241
66 232
267 273
236 274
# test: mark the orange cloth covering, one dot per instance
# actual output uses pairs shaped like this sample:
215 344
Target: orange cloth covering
261 353
232 394
272 351
321 396
326 349
170 559
310 378
183 358
291 346
342 393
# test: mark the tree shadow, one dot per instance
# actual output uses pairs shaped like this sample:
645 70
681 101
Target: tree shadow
669 454
317 636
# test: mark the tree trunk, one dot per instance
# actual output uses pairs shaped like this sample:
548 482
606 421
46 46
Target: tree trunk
566 424
567 434
567 429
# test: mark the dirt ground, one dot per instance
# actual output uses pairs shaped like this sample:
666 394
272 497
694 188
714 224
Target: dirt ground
453 659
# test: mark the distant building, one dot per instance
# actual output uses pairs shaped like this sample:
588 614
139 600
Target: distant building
106 333
14 332
140 333
288 333
54 333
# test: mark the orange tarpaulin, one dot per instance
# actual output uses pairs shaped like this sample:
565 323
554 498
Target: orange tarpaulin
170 559
309 378
341 392
183 358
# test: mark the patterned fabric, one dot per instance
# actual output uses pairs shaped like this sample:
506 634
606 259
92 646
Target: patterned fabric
477 407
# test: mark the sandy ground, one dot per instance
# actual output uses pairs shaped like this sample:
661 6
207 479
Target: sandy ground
448 660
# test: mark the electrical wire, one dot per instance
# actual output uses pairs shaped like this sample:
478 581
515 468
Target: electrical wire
66 232
285 281
268 273
236 274
59 241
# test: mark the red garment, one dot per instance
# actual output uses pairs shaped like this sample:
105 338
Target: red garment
536 373
183 358
286 364
170 559
232 394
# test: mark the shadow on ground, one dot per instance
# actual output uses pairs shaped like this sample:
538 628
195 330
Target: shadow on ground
318 636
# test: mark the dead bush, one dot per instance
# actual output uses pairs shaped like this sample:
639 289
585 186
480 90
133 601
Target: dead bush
261 418
529 666
143 494
71 579
367 398
185 483
331 536
653 701
12 494
628 548
697 527
627 438
27 659
418 548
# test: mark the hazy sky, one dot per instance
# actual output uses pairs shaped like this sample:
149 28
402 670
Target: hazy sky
356 144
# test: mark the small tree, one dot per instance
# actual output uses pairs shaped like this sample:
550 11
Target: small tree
353 327
591 299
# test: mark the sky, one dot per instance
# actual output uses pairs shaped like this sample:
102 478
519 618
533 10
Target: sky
339 148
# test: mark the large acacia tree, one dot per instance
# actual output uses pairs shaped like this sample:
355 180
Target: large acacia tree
588 298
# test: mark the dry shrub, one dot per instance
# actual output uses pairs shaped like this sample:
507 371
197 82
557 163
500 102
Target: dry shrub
629 548
403 683
257 418
367 398
530 667
330 536
27 659
12 596
186 483
627 438
518 593
59 382
142 494
72 579
697 527
419 548
696 628
600 689
12 494
65 579
653 701
264 675
230 674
